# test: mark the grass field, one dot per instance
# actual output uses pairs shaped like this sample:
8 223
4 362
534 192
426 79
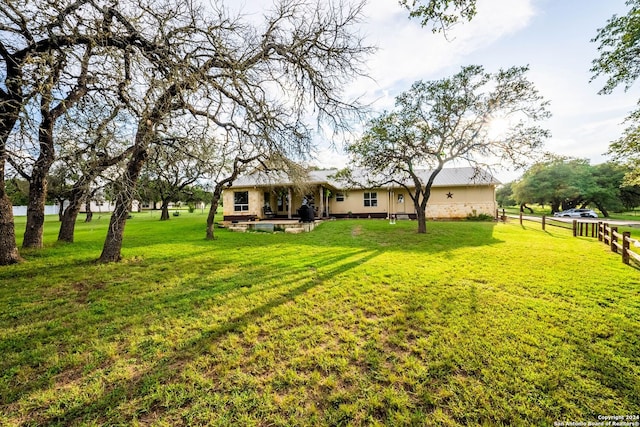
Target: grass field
358 323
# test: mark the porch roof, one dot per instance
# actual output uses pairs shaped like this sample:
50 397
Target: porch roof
281 179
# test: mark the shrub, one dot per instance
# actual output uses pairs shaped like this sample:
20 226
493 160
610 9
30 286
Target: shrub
482 217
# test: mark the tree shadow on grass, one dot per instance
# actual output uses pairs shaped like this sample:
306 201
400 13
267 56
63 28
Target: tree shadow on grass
164 370
441 236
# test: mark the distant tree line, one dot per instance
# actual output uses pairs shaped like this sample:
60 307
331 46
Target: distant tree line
564 183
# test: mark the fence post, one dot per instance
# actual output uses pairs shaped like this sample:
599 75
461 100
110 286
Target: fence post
625 246
600 231
575 227
614 239
544 222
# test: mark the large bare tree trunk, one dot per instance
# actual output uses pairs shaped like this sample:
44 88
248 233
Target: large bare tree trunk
33 233
9 112
422 221
421 197
211 217
111 251
164 215
38 183
217 193
8 247
70 215
88 211
60 202
68 224
421 210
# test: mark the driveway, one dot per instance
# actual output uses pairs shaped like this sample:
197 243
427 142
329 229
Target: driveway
617 222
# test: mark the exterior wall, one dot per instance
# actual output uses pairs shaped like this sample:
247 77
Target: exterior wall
474 200
353 204
256 203
463 201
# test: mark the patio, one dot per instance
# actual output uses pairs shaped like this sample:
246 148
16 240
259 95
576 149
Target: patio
293 226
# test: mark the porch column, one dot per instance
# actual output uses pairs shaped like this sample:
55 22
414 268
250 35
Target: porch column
289 198
321 212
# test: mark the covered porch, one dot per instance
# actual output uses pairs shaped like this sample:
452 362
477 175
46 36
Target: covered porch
277 202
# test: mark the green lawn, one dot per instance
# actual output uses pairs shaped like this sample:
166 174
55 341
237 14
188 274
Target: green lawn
357 323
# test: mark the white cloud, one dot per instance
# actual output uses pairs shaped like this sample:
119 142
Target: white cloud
408 52
330 157
552 36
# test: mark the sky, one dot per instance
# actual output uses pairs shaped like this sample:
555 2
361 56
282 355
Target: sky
552 37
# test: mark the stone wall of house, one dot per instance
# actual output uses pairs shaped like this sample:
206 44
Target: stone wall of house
460 210
445 202
255 202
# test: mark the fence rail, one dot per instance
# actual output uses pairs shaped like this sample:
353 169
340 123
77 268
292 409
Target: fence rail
620 243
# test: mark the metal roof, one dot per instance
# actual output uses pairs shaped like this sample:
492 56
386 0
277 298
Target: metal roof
448 177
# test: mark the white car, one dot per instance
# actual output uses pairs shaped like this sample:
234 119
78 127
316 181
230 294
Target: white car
577 213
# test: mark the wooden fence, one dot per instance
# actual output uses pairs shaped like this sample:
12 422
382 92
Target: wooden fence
619 243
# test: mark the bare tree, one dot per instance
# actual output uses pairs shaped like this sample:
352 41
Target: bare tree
175 163
257 82
93 141
51 109
48 51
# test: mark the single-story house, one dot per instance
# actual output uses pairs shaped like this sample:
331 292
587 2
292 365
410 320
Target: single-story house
456 193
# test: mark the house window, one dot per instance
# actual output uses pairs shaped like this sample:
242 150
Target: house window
240 201
371 199
339 197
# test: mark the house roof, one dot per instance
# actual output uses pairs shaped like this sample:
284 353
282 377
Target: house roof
448 177
460 177
279 178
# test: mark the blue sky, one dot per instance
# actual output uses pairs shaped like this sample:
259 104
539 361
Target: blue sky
556 45
551 36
